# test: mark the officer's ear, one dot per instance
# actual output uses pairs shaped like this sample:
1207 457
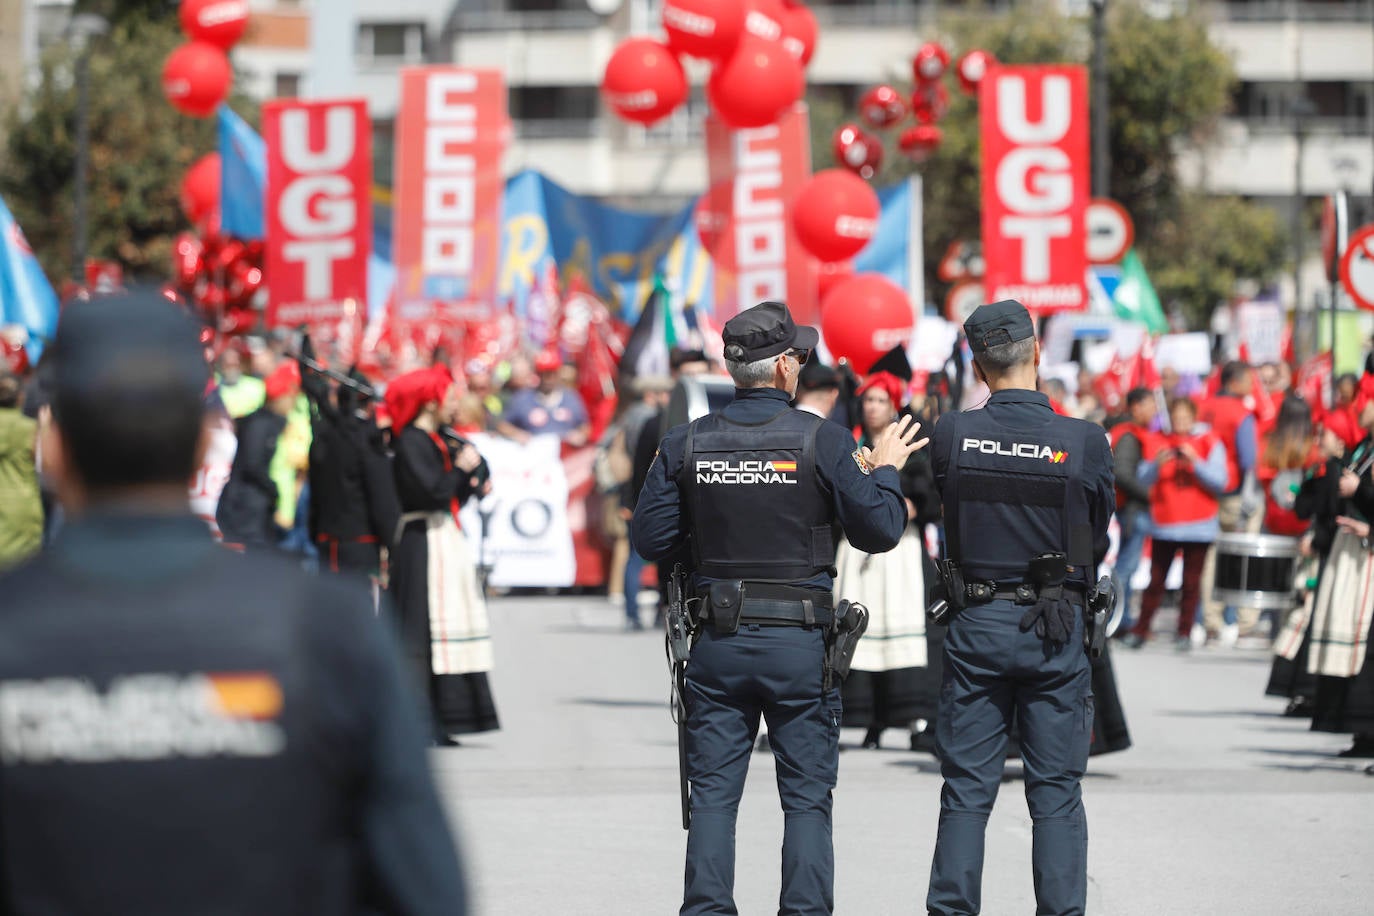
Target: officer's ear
1037 353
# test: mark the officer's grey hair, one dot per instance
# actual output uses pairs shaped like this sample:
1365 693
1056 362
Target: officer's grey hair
1001 359
757 374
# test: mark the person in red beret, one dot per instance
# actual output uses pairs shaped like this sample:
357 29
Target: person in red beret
435 591
551 409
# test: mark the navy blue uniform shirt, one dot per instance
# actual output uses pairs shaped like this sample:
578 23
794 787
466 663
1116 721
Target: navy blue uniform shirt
1021 408
869 506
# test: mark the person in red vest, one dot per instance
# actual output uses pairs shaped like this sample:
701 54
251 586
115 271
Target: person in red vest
1187 471
1232 421
1130 444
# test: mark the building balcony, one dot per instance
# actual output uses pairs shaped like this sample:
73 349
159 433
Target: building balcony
1284 11
1258 160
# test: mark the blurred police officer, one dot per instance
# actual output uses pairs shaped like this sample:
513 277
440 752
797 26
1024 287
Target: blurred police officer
753 491
1027 497
184 729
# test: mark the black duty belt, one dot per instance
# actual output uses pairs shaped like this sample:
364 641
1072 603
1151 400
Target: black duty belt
985 592
768 604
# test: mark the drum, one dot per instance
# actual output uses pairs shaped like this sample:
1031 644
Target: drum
1256 570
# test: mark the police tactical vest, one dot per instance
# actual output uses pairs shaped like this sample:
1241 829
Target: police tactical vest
1013 494
757 508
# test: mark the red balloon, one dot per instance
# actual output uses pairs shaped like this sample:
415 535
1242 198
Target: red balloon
200 188
756 85
799 31
238 320
831 275
930 103
196 78
644 81
187 263
704 28
835 214
930 63
920 143
220 22
882 107
763 19
713 217
973 66
863 317
858 150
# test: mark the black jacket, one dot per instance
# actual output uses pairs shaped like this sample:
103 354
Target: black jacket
188 730
249 500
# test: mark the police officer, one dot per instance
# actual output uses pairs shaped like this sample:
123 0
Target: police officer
753 491
187 729
1027 496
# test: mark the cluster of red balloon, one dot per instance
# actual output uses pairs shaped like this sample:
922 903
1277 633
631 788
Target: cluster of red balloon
884 107
197 75
221 276
759 50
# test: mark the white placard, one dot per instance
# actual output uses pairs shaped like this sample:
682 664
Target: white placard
1189 354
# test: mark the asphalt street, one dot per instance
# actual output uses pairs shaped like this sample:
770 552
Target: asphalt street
1223 806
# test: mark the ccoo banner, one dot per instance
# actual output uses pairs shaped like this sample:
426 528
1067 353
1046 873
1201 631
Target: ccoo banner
1036 185
319 216
451 134
746 217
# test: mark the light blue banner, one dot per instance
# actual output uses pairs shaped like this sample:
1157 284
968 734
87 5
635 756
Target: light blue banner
26 296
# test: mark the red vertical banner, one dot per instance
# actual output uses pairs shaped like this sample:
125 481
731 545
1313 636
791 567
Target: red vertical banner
319 218
1036 185
451 133
747 216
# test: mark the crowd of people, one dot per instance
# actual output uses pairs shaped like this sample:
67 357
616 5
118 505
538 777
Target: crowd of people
366 478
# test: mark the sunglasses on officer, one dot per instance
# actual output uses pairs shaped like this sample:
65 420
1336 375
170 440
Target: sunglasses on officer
801 356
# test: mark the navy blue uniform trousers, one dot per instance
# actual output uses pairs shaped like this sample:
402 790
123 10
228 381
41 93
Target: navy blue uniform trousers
994 672
731 680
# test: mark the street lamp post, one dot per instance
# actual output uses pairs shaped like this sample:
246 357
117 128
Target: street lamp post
1101 154
1302 109
81 32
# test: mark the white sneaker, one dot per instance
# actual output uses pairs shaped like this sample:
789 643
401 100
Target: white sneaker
1199 636
1230 633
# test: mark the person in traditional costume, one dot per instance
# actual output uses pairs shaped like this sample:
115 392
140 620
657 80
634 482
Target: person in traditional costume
434 586
892 683
1343 615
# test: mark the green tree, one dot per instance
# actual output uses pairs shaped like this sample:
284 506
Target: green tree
1168 86
140 149
118 11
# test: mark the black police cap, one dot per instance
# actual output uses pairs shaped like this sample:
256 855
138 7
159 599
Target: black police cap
997 324
765 330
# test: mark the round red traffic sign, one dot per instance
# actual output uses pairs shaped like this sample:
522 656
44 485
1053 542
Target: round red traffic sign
962 299
1357 268
1111 233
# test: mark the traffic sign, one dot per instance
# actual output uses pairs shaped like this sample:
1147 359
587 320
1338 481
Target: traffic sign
962 298
1357 268
962 261
1110 231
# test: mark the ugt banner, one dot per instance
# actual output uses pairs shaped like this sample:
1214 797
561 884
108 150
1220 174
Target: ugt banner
319 217
747 216
1035 185
450 135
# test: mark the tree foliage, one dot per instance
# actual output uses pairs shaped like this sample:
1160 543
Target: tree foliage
1168 87
140 149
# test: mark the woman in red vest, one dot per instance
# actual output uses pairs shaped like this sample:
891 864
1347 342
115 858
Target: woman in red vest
1186 471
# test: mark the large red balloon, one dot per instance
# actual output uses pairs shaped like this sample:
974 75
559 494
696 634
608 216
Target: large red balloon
799 32
882 107
835 214
644 81
200 188
756 85
219 22
865 316
704 28
763 19
196 78
832 275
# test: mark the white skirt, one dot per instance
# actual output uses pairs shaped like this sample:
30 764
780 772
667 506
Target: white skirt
1342 613
892 586
459 630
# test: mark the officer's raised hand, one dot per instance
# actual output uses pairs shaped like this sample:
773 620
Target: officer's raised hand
896 444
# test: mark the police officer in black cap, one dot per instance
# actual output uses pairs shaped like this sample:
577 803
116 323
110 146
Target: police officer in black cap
184 729
1027 496
753 491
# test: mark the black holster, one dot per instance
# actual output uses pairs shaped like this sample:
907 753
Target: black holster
948 596
1101 602
726 597
851 621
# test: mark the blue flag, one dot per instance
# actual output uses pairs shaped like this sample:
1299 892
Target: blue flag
243 185
26 296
